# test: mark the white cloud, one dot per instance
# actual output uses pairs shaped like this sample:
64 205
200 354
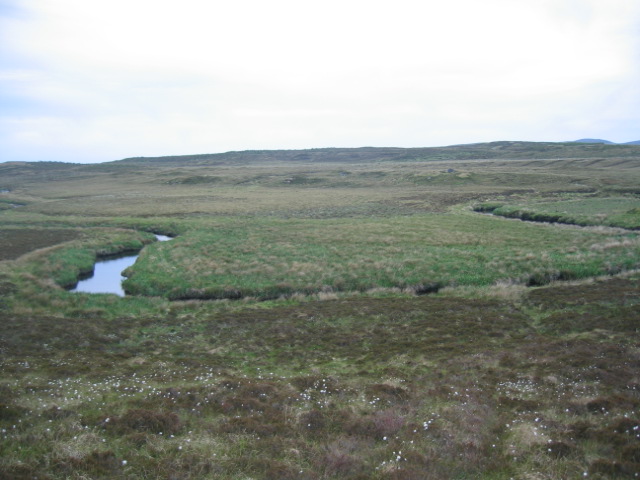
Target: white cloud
101 80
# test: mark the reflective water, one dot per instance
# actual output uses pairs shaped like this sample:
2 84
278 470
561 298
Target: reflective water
107 274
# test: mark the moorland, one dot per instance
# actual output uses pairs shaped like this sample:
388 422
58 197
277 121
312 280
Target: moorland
464 312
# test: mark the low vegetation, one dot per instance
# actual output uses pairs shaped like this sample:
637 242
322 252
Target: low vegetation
419 253
350 319
623 212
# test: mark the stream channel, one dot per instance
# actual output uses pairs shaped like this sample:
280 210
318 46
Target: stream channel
107 274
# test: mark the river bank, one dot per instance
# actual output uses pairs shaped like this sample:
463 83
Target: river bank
106 276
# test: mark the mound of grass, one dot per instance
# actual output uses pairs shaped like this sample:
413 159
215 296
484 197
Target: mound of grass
613 212
194 180
269 258
64 263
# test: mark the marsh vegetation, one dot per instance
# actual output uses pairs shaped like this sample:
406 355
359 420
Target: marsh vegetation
325 314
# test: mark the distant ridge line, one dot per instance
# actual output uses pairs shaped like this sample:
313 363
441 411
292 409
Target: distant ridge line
505 150
606 142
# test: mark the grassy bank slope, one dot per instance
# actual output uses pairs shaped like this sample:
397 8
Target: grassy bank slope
612 212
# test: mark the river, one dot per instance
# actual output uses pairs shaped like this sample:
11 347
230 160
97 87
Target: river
107 274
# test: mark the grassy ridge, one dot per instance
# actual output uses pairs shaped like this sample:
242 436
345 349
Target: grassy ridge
62 264
268 258
492 150
612 212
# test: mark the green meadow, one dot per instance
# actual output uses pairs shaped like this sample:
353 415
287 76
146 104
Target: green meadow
266 259
623 212
320 314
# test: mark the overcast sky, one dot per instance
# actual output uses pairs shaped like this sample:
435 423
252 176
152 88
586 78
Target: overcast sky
92 81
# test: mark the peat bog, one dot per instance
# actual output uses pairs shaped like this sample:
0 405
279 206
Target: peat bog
322 314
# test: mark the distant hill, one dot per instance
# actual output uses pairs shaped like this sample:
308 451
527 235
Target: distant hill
503 150
593 140
606 142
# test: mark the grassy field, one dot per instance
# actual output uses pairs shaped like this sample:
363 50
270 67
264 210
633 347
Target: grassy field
621 212
325 314
269 258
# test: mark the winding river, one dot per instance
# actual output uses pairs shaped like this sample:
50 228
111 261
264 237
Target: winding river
107 274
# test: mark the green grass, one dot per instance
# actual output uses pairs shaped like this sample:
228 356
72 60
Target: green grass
323 360
65 263
268 258
613 212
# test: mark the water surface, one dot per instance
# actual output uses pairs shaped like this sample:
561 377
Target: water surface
107 274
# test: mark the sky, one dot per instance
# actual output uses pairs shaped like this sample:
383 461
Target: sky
93 81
